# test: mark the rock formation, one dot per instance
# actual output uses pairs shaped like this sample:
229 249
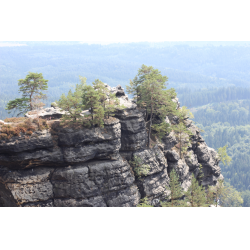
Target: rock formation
91 167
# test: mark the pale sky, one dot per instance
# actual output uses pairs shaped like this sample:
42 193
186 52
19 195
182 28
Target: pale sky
192 43
109 42
9 44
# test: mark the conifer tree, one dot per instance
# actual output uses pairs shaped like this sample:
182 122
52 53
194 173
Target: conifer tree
219 191
134 86
223 156
149 89
102 90
139 168
154 97
144 203
108 101
184 113
91 100
37 105
225 195
210 196
176 192
72 104
183 135
231 197
196 194
161 129
31 87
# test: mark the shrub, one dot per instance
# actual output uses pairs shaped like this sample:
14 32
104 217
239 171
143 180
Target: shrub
139 168
27 126
15 119
28 123
3 136
29 133
42 124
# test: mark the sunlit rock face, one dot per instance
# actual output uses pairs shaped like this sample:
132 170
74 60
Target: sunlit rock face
84 167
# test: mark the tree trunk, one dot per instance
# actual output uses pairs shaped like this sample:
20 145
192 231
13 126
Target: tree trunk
149 132
180 145
146 116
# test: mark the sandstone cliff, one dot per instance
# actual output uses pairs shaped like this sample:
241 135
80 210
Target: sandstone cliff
91 167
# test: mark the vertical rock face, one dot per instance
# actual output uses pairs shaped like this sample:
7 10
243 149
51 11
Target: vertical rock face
92 167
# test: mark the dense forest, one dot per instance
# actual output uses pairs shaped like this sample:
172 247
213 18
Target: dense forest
202 97
212 80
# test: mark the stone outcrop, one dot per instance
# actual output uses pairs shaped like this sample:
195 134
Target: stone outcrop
92 167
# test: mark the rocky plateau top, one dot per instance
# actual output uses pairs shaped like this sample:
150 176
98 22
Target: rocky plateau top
91 167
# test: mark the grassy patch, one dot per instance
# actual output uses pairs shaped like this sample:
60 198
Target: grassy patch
15 119
21 125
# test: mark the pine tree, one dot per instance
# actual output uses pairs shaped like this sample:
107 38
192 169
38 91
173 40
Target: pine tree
91 100
196 195
72 104
183 136
134 86
184 113
144 203
139 168
31 88
210 196
161 129
176 192
37 105
149 89
102 90
225 195
231 197
154 97
223 156
219 191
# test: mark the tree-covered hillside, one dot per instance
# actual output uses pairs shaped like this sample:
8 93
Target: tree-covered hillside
190 65
202 97
228 123
211 79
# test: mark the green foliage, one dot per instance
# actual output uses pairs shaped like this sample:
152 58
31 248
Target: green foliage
144 203
196 195
183 135
139 168
31 89
238 140
219 192
112 103
231 197
176 192
226 195
161 129
19 104
21 126
103 91
134 87
228 113
223 156
216 96
91 100
149 88
72 104
246 198
184 113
